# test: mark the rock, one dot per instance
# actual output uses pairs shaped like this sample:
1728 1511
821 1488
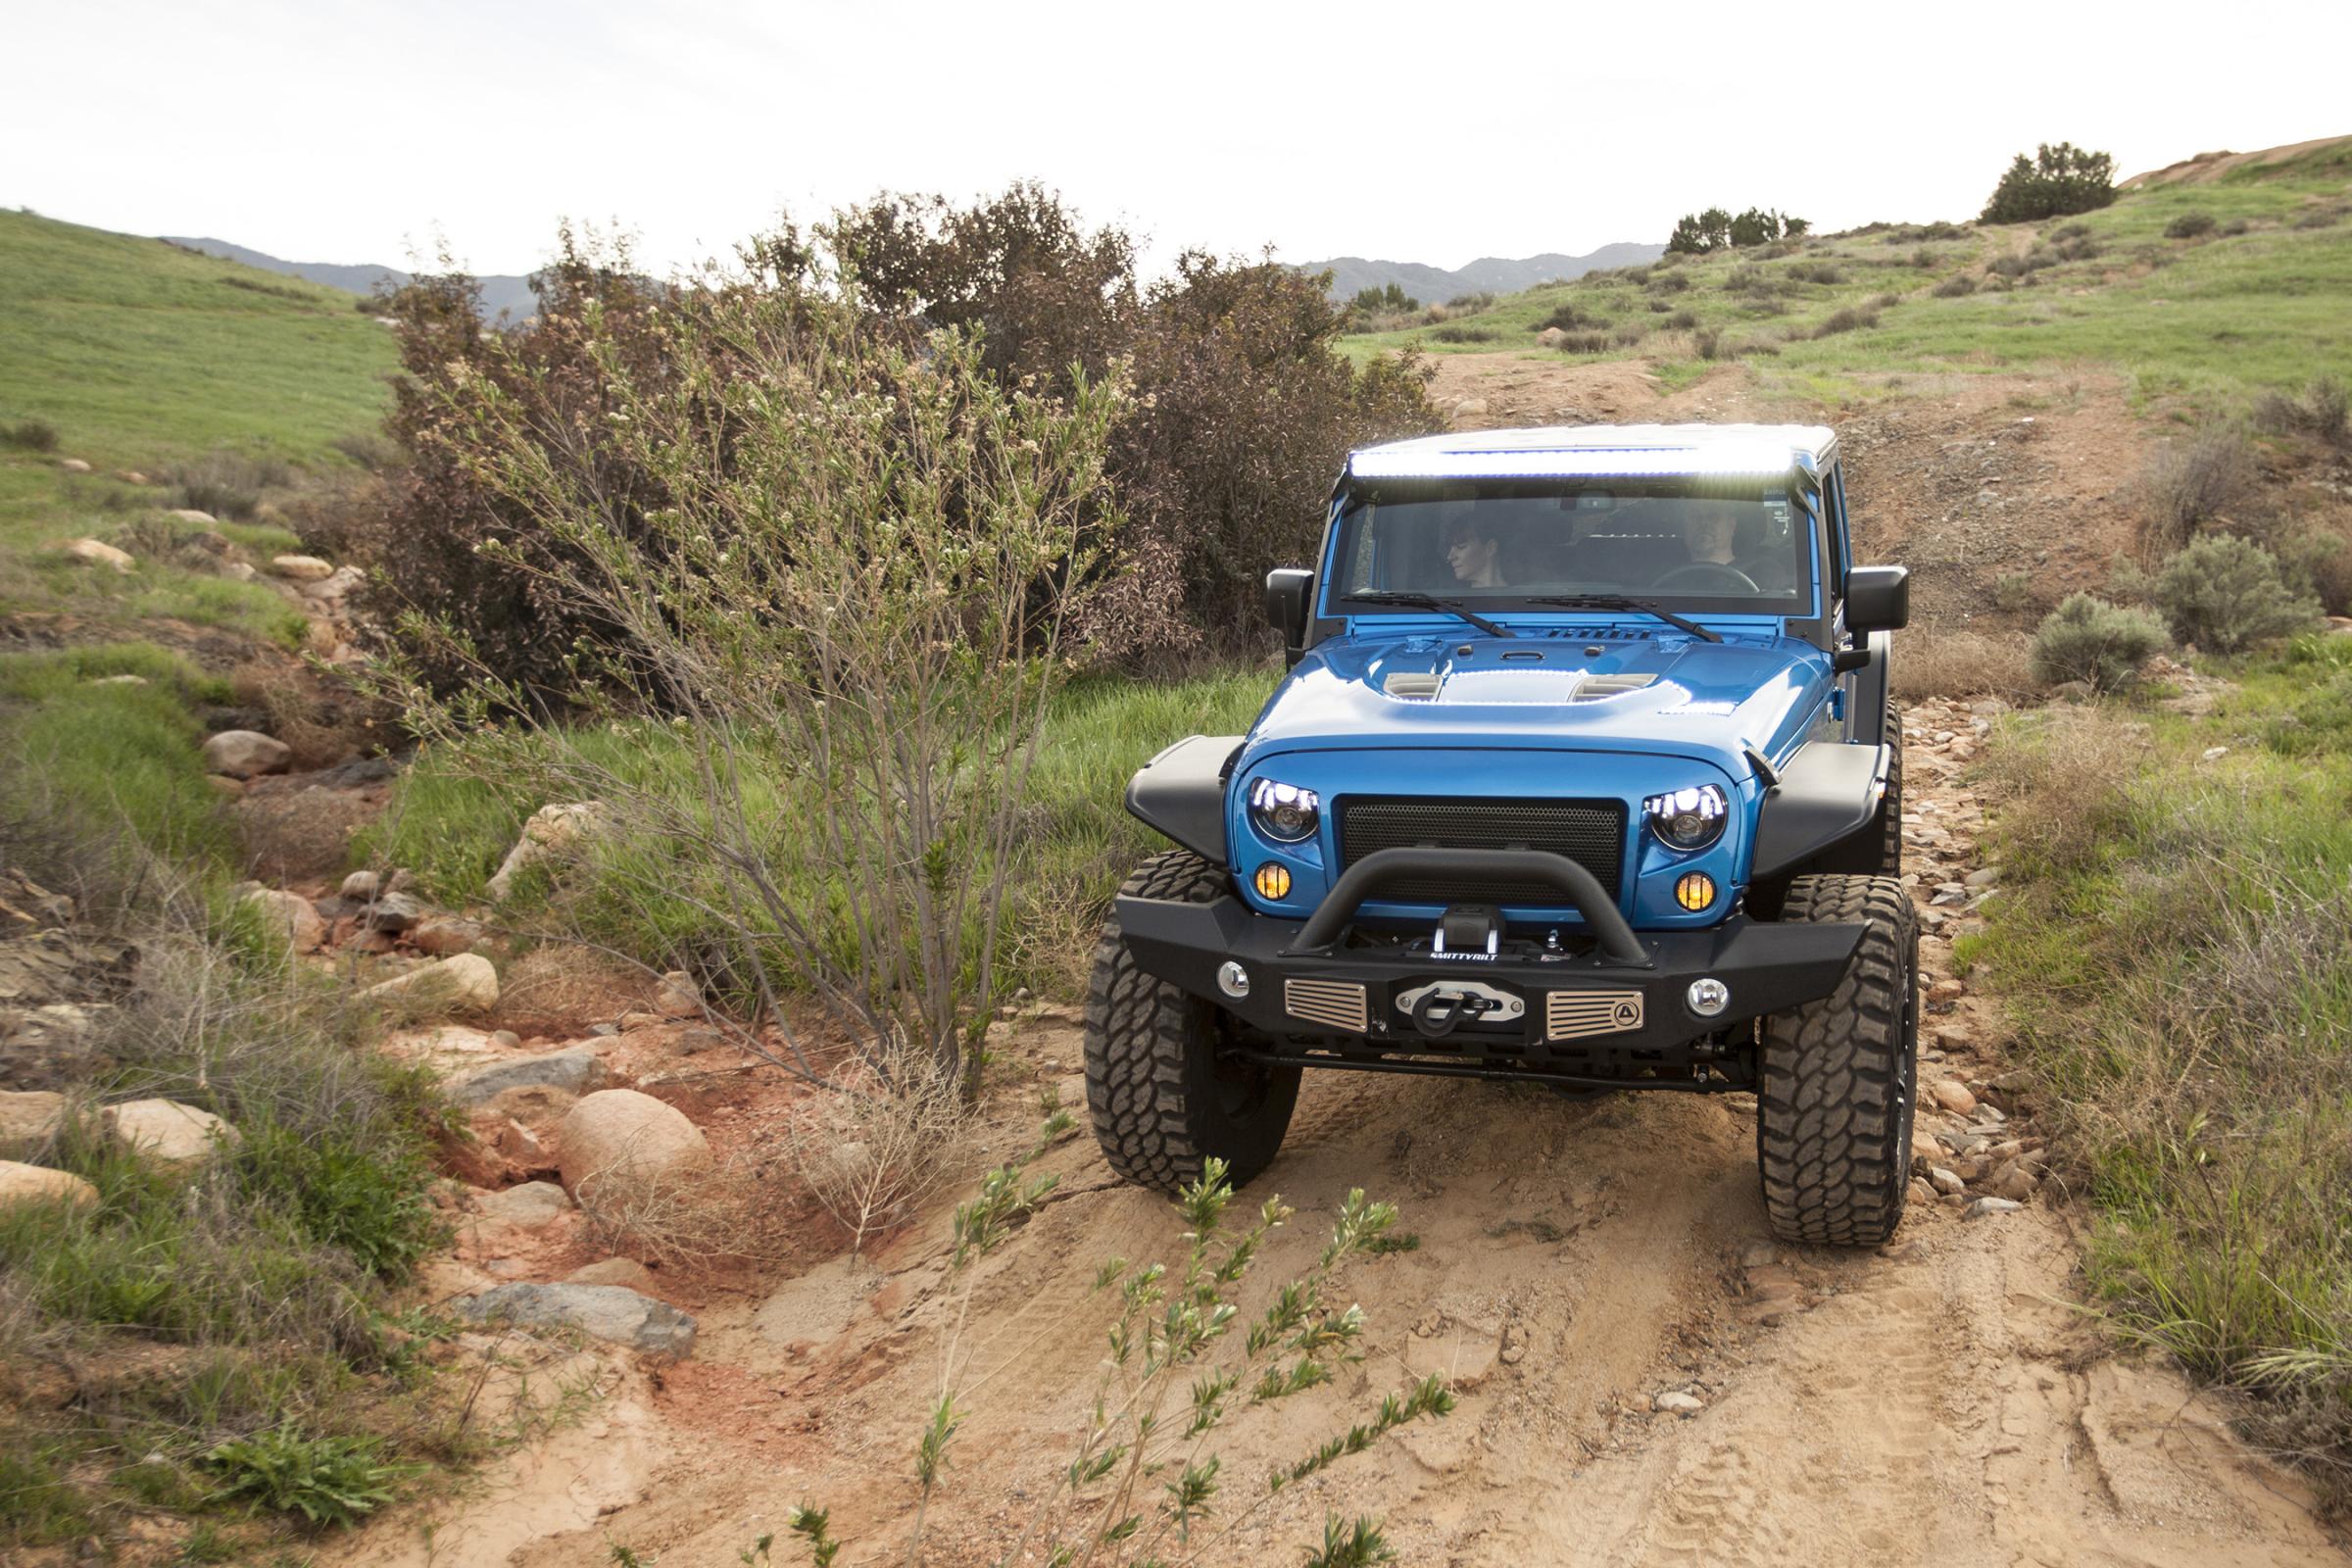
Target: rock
679 997
2011 1180
21 1186
130 477
694 1042
603 1312
100 554
1551 337
574 1072
191 514
167 1133
537 1107
1951 1039
619 1131
239 571
301 568
246 753
552 831
626 1273
1983 878
1991 1206
73 464
1469 407
641 1019
392 912
1947 990
361 886
531 1206
28 1121
290 916
1673 1401
1945 1181
119 681
445 935
1953 1095
2072 691
335 586
467 983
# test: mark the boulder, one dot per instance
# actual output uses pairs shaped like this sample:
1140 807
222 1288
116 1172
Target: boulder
335 586
168 1133
246 753
1551 337
391 912
603 1312
619 1132
531 1206
28 1121
467 983
361 886
239 571
626 1273
572 1072
100 554
73 464
301 568
21 1186
191 514
679 997
553 830
289 914
445 935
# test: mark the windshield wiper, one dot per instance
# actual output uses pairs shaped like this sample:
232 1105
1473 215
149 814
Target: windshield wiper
1620 601
1405 600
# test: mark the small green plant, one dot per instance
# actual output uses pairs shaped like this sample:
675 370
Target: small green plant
328 1481
2225 594
30 435
2013 592
2089 640
1356 1544
2189 226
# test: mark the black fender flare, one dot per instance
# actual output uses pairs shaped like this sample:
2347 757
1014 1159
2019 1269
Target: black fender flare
1826 793
1180 794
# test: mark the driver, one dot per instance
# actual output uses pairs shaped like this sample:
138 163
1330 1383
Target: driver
1707 529
1473 550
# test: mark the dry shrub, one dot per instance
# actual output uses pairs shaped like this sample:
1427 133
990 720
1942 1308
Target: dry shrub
2195 481
2323 411
722 1212
1955 287
872 1152
2089 640
1934 661
1847 320
2057 784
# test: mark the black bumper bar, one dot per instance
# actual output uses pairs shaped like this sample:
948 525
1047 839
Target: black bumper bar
1361 884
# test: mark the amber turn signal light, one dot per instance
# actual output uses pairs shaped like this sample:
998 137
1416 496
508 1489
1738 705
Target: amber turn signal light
1693 892
1273 880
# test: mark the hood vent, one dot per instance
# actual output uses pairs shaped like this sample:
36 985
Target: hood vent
1416 685
1596 687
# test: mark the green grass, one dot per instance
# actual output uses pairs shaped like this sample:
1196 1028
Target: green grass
141 357
452 828
2213 319
2174 942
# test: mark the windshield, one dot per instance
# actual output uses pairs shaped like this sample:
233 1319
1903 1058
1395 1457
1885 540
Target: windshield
1692 546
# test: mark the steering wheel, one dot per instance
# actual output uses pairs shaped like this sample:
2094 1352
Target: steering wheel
1708 576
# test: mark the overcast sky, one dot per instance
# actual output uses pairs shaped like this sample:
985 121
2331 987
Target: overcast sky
338 133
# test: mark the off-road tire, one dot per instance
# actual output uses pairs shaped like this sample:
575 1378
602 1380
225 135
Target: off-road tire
1161 1100
1838 1077
1890 808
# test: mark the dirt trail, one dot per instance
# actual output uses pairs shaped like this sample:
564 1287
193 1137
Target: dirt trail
1939 1400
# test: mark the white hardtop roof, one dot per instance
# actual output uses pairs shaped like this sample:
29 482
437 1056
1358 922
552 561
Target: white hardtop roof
1570 450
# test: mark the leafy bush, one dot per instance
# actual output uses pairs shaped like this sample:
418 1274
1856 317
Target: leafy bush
1481 301
2056 181
2089 640
1392 300
1568 317
2225 594
1670 282
1707 344
1955 287
328 1481
2188 225
1464 335
2190 483
1847 319
30 435
1584 343
1683 320
1825 273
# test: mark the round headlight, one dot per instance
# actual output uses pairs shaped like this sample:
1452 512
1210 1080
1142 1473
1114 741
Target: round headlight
1284 813
1691 819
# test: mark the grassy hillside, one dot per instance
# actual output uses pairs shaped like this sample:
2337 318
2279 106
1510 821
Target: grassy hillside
2254 298
129 354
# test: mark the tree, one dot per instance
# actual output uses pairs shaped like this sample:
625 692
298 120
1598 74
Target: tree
2056 181
1756 226
1715 229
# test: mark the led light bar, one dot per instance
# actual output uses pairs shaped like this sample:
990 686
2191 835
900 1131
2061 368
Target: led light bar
1760 458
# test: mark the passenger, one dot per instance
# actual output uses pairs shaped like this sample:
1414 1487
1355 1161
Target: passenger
1474 550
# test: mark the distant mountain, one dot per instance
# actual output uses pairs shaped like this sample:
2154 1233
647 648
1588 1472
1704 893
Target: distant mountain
512 295
1489 274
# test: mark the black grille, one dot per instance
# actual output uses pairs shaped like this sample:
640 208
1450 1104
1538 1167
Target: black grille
1592 833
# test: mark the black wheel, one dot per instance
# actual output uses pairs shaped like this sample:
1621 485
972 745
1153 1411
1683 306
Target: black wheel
1838 1077
1890 810
1164 1094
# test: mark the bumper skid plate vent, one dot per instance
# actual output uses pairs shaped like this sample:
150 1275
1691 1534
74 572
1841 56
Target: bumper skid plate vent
1582 1015
1333 1003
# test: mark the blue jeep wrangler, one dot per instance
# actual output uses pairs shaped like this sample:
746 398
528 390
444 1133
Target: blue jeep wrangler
1585 773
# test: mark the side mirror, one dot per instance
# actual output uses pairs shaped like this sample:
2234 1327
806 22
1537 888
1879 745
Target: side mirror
1289 592
1878 599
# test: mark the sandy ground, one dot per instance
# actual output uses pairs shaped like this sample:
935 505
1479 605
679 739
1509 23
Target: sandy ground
1942 1400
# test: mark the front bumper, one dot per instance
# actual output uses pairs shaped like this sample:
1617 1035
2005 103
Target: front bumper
1626 996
